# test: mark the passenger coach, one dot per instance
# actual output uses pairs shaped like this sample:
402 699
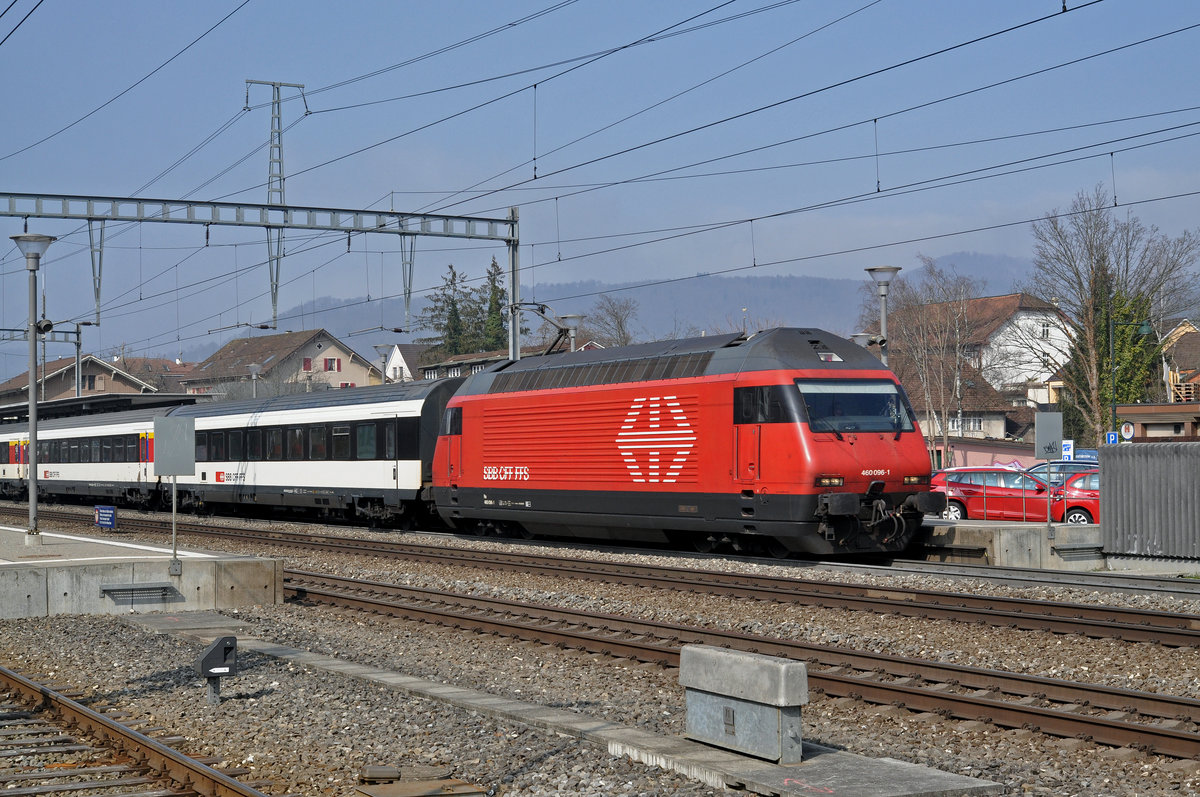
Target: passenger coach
362 452
784 440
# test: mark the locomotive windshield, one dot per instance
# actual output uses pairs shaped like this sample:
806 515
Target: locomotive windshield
855 405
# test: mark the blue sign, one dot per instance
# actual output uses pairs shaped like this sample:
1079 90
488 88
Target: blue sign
106 517
1087 455
1110 438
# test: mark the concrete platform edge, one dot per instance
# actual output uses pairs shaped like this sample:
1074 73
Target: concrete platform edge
825 770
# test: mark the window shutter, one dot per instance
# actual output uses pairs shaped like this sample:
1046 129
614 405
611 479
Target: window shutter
339 364
308 363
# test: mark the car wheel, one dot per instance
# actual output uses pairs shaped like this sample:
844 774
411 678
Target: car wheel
954 511
1078 515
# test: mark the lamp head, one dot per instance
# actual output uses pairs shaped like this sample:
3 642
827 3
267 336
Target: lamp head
883 274
570 321
33 245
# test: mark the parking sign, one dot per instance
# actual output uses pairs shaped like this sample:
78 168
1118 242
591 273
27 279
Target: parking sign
1110 438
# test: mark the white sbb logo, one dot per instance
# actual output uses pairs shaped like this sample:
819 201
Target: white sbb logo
655 439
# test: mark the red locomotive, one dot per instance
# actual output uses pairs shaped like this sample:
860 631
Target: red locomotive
787 440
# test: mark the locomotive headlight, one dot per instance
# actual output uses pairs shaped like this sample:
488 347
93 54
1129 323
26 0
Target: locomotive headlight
830 481
916 480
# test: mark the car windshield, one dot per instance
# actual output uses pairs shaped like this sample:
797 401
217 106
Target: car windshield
855 405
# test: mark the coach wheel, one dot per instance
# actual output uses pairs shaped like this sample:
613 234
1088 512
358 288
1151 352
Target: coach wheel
954 511
705 543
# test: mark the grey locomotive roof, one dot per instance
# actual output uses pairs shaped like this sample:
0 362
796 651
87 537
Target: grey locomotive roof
782 348
398 391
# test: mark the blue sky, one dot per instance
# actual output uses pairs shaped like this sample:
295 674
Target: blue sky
815 138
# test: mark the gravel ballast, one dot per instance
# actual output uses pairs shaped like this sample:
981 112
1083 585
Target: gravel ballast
311 732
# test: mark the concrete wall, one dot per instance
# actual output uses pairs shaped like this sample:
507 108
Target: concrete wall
1071 548
96 588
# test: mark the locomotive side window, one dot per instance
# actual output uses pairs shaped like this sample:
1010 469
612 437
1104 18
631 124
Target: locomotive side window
855 405
316 443
365 434
254 448
236 450
341 442
765 404
452 421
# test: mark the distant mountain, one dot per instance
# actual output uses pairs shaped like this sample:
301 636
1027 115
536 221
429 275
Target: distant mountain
673 309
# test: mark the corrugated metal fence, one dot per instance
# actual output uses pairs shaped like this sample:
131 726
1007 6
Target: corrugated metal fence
1150 499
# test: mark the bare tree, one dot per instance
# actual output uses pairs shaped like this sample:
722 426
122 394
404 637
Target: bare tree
1099 269
930 330
611 321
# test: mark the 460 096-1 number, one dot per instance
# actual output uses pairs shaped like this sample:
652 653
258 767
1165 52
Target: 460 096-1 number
877 472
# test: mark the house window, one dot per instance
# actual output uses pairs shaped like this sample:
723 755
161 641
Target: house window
455 371
477 368
89 382
1045 330
970 423
333 363
346 384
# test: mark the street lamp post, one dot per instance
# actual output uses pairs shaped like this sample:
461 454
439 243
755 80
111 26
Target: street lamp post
33 246
255 370
571 322
1144 328
882 275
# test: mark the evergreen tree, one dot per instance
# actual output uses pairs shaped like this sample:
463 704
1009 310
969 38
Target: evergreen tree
492 298
446 314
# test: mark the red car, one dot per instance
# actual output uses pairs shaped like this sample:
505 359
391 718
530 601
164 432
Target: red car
992 493
1078 501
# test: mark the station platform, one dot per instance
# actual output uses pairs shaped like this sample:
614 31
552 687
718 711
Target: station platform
1065 546
824 770
53 573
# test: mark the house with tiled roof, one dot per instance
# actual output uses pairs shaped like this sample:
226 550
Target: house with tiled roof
288 362
1016 342
1181 350
56 378
401 361
467 364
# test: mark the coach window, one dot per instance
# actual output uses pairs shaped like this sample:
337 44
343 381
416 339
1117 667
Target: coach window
365 434
236 450
407 438
85 451
73 454
254 445
216 446
295 443
201 446
95 450
274 444
317 449
106 449
389 440
4 458
341 442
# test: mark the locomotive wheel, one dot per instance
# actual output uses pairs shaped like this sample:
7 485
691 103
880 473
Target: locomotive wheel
776 548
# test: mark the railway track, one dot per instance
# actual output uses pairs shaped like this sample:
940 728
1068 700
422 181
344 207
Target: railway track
1156 723
51 744
1172 629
